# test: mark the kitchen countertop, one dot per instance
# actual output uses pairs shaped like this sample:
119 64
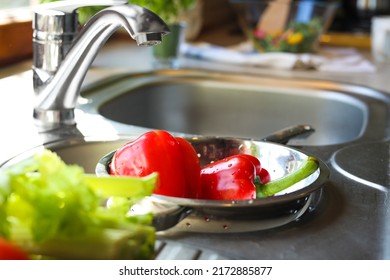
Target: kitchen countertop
20 134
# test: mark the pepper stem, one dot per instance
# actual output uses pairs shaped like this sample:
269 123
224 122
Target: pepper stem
308 167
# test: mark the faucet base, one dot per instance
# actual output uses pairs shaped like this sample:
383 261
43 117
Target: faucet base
50 119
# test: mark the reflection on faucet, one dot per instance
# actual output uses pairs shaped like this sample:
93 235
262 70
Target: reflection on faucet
57 93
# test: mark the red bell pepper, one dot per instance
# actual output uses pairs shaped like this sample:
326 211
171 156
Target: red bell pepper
242 177
262 173
231 178
173 158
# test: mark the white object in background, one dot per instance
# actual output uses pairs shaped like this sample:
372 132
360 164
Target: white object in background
380 38
327 60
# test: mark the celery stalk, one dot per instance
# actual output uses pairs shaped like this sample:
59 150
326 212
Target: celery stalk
135 242
119 186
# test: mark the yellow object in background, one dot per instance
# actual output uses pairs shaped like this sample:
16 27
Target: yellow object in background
295 38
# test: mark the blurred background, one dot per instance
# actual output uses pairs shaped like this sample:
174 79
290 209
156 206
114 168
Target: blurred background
351 25
213 21
356 15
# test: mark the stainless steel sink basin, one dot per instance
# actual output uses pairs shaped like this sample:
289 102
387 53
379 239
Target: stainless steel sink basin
351 218
233 105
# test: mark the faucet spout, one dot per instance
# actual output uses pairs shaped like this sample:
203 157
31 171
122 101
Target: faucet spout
56 98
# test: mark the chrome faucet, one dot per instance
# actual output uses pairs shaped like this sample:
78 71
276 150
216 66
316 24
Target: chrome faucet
62 56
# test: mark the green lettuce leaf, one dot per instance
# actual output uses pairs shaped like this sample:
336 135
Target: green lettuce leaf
43 199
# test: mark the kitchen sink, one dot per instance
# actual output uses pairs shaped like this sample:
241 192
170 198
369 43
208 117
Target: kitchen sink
222 104
349 217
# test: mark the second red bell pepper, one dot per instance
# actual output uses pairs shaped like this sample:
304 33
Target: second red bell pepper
242 177
231 178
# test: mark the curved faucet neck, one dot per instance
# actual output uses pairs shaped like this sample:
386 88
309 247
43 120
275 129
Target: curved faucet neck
56 98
